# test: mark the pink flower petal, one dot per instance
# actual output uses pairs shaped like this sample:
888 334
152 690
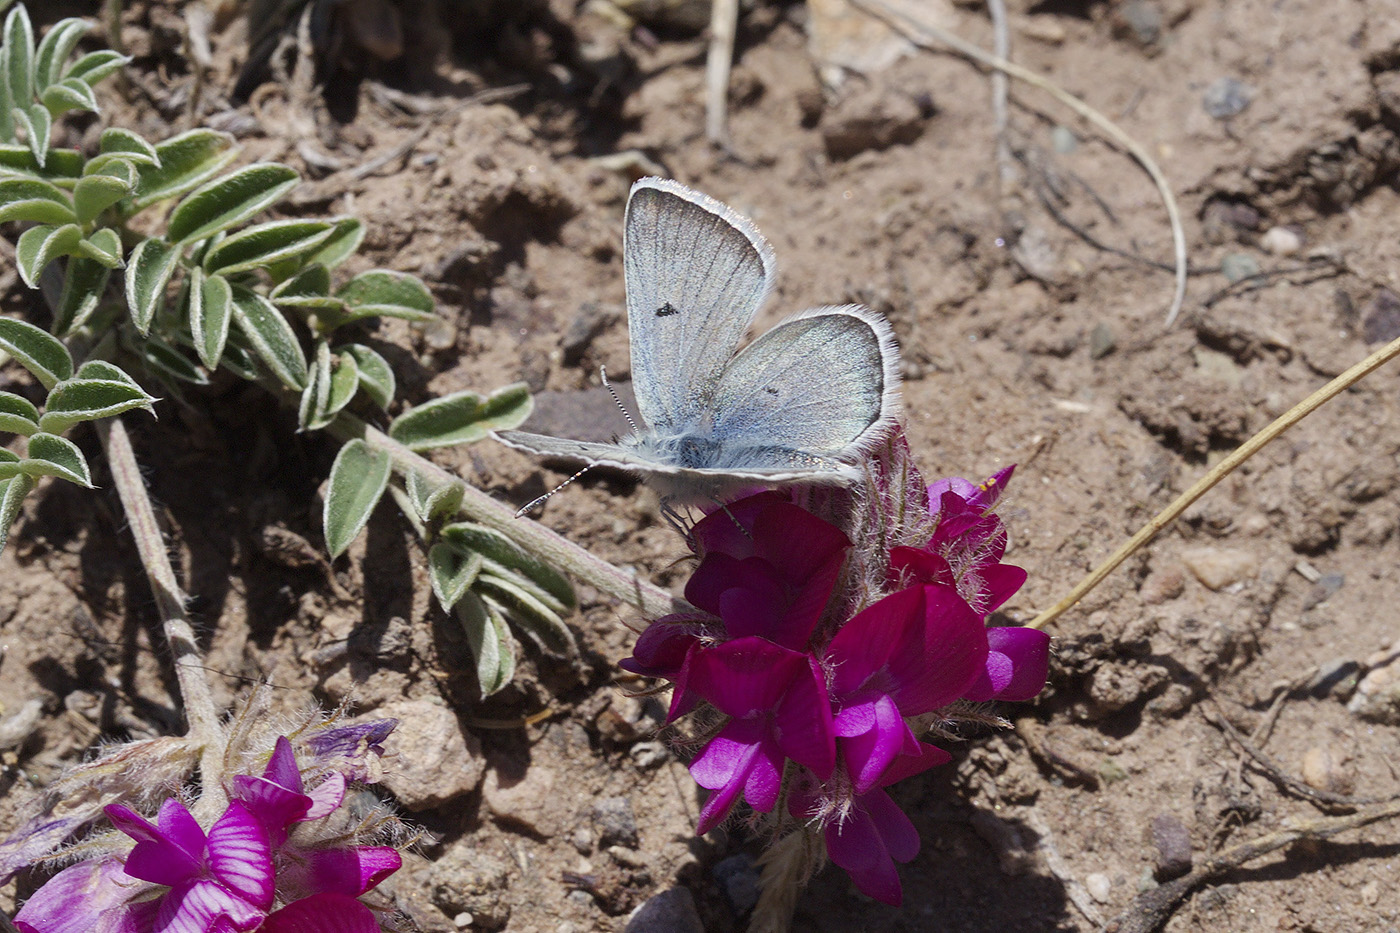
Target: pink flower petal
326 797
746 675
802 722
915 761
351 871
170 854
936 662
240 855
724 767
274 804
869 753
282 766
1017 665
196 907
900 837
89 897
322 913
856 846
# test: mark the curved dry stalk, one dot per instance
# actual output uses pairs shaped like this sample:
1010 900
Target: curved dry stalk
925 35
1224 468
201 712
558 551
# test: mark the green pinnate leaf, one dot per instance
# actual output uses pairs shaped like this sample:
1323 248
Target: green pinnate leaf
36 350
84 281
12 493
358 479
7 101
376 375
17 414
58 44
230 200
9 464
341 244
509 557
270 336
461 418
490 641
150 266
184 162
94 66
265 244
310 288
62 166
122 145
381 293
452 573
341 387
433 502
310 412
521 604
168 364
88 399
93 194
19 56
51 455
29 199
36 122
211 309
41 245
68 94
103 246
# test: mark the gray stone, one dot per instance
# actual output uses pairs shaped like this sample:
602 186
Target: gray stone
876 118
737 877
615 821
1172 842
1335 678
1227 97
467 880
1102 342
1063 140
428 759
1218 567
1238 266
589 323
671 911
1380 321
1324 589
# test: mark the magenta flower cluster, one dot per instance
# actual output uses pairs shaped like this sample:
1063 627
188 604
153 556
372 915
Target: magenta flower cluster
180 878
826 704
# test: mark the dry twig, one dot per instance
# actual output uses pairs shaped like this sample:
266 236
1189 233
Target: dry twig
724 23
928 36
1151 909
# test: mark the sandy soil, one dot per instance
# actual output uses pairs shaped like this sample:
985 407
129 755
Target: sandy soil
1023 342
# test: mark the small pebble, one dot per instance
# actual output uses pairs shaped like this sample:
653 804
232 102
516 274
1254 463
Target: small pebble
1099 886
1322 770
1371 893
1324 589
1335 678
1377 696
1102 342
1172 840
1217 567
1282 241
738 879
648 755
1226 97
671 911
1063 140
463 920
615 821
1140 20
1237 266
1380 320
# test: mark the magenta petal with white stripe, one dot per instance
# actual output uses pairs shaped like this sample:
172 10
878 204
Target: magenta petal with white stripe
89 897
351 871
240 855
197 907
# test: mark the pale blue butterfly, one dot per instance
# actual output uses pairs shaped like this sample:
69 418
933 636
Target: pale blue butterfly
798 405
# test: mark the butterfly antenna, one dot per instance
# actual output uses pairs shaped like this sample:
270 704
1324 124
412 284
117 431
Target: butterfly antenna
725 508
603 371
529 506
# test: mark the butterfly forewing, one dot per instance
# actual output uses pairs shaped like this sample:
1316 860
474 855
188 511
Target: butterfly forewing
696 274
822 382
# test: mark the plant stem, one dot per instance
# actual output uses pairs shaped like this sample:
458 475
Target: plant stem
200 709
534 537
1224 468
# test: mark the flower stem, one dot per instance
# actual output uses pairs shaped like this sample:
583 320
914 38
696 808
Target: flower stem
196 697
534 537
1224 468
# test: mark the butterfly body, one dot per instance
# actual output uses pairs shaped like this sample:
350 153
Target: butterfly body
796 405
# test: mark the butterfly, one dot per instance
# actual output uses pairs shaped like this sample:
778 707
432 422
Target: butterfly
797 405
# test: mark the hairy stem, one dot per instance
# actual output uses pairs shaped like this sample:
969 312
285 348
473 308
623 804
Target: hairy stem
1224 468
534 537
197 699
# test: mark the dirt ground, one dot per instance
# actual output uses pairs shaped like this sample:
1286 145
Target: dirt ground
1023 342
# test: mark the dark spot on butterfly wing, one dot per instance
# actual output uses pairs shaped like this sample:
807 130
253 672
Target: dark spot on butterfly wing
667 310
770 390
